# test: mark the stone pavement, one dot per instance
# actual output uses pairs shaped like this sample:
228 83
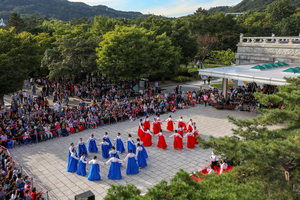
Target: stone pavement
47 161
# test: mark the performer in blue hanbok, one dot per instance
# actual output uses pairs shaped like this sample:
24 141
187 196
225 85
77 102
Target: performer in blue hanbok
81 147
104 148
94 174
119 143
114 151
72 165
70 151
132 167
144 150
81 170
114 169
141 160
130 144
107 139
92 144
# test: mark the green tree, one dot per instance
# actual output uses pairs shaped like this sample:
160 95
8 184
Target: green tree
15 21
18 53
279 10
206 44
133 53
73 57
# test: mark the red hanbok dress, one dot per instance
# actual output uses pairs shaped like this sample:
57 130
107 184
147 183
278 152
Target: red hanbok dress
190 126
161 141
196 134
155 127
190 140
148 139
141 133
159 121
147 123
177 141
182 123
170 123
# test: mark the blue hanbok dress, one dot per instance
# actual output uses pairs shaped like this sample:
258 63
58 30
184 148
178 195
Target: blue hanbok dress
144 151
82 149
114 169
72 165
108 141
81 170
131 146
132 167
94 174
120 145
105 150
93 146
70 150
141 160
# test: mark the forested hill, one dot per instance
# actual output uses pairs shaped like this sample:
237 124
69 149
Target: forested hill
253 5
60 9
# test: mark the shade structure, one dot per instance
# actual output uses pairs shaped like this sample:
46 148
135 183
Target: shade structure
293 70
276 65
257 67
264 66
282 64
270 66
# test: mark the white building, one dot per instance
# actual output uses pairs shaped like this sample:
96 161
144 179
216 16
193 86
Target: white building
2 22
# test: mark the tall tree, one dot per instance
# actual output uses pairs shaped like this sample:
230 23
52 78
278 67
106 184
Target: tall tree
18 53
73 57
206 44
132 53
16 21
279 10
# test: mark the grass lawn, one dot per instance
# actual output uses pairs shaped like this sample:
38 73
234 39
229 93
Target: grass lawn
220 85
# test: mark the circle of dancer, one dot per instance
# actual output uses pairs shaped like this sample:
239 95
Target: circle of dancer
137 154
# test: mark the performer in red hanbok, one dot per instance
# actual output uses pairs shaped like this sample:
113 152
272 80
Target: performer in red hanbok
141 130
195 131
159 121
155 126
161 140
180 130
148 138
146 122
170 123
177 140
190 139
191 125
182 123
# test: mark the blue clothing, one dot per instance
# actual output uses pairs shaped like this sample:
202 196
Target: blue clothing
120 146
82 149
141 160
109 142
93 146
114 171
131 146
144 151
72 166
94 174
132 167
105 151
70 156
81 170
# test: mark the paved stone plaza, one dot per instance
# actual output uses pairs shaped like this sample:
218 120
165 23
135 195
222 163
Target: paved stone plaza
47 161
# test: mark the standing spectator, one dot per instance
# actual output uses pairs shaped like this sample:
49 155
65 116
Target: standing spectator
67 99
205 99
204 79
156 86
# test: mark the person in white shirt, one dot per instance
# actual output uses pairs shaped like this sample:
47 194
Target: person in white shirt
132 167
104 148
141 159
94 174
114 169
119 143
114 151
223 166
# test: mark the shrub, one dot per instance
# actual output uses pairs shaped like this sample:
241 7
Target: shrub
182 79
194 72
182 71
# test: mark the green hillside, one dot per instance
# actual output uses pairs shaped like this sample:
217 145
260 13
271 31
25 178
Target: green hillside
60 9
253 5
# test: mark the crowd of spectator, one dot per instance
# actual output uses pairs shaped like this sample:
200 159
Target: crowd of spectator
15 186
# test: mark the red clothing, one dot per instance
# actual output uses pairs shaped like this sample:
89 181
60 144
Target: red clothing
196 134
156 128
162 142
182 124
146 124
141 133
34 195
177 142
147 140
190 141
170 126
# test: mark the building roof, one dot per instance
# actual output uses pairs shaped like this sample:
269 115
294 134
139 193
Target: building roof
272 76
